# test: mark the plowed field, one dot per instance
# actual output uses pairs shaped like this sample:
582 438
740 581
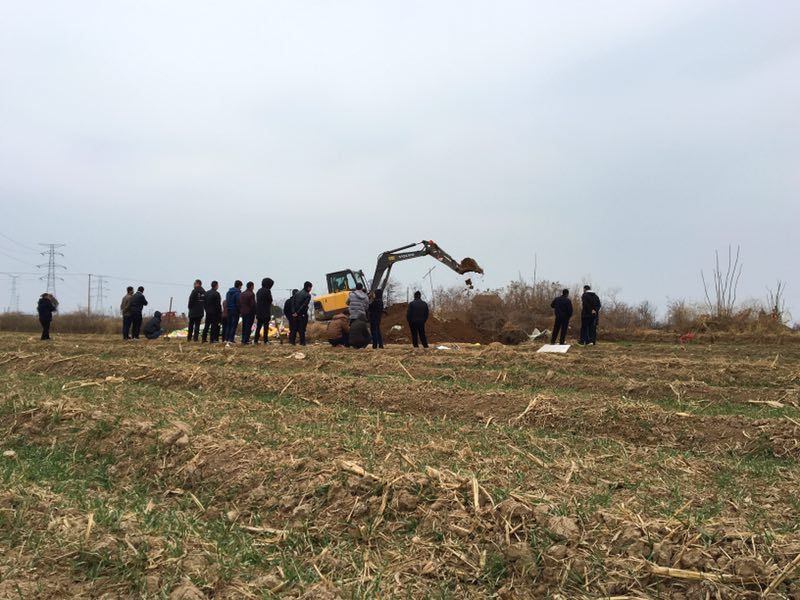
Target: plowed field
169 470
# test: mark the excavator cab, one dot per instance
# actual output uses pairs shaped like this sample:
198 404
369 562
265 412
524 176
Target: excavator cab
340 284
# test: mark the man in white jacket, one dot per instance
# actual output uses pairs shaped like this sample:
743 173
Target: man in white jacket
358 301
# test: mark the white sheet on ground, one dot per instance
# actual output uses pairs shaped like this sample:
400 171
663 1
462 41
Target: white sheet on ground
554 348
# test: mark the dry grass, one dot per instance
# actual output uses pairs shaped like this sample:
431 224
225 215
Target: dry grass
171 470
73 322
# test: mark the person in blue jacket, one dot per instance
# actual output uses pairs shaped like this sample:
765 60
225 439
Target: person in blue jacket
232 302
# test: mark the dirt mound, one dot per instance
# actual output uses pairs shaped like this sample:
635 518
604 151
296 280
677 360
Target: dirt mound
487 314
454 330
512 335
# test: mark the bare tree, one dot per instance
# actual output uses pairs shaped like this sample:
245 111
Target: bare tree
721 298
776 301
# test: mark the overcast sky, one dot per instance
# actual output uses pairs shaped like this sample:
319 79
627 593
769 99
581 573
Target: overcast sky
619 142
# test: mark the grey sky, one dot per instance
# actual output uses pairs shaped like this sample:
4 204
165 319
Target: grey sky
621 142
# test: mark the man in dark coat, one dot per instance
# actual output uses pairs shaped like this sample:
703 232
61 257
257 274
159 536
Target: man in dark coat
300 303
263 309
152 329
197 306
375 315
213 308
590 314
46 306
137 304
288 309
247 308
417 315
562 309
124 308
232 306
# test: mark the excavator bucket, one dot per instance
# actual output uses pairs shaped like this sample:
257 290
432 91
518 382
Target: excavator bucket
470 265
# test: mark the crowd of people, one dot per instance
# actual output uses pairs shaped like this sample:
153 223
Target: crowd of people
590 314
356 327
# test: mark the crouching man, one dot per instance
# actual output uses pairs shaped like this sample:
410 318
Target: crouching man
339 329
152 329
359 333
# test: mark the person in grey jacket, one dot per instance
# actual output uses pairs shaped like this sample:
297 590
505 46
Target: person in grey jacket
358 302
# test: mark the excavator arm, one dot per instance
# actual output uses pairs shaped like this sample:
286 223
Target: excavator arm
429 248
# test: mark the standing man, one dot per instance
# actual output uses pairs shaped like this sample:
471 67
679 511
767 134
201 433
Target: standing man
232 299
46 306
125 309
562 309
264 308
197 306
375 316
358 302
247 307
590 314
300 303
137 304
288 309
417 315
213 309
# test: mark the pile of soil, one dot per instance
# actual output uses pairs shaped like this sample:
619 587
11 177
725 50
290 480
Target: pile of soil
438 331
512 335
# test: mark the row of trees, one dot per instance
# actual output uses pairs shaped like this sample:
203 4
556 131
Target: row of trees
527 305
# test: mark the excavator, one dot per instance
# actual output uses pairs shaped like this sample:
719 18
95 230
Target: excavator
340 283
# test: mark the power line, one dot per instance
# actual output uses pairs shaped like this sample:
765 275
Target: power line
20 244
12 257
52 265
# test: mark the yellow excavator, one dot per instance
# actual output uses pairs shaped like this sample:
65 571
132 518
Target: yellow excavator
340 283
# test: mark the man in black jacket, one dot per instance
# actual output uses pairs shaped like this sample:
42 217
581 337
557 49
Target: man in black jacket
562 308
590 314
288 309
213 307
263 309
138 302
417 315
46 307
152 329
197 306
300 302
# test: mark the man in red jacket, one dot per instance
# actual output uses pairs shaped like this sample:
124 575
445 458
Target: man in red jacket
247 306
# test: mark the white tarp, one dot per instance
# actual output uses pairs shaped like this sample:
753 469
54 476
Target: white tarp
554 348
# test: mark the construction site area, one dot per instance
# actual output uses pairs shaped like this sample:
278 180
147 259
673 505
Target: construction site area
632 469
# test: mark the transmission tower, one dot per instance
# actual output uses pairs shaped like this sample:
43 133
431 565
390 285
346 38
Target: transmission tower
13 301
51 265
100 290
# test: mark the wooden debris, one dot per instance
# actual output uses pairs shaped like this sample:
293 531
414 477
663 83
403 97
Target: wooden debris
781 577
402 366
286 387
355 469
699 575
